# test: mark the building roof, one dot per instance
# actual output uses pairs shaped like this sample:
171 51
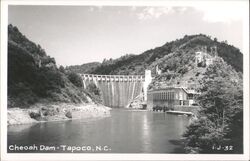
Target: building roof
167 88
188 91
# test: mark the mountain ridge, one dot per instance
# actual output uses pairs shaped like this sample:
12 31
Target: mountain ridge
136 64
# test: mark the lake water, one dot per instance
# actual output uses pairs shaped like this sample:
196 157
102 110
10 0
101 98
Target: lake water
124 132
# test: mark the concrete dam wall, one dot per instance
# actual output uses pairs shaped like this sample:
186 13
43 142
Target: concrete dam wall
116 90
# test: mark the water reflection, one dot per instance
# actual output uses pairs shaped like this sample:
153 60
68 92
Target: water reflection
146 133
19 128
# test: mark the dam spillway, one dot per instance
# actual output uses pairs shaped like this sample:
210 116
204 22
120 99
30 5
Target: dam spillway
119 94
116 90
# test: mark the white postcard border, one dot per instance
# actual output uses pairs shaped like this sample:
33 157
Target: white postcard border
87 156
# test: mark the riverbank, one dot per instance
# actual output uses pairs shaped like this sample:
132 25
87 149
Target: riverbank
55 112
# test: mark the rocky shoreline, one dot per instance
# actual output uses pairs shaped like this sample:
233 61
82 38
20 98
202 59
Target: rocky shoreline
55 112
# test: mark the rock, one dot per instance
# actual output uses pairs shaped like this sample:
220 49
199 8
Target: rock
68 114
49 111
46 112
137 103
35 115
19 116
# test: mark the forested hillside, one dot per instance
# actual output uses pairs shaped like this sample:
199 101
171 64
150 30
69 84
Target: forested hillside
219 121
34 77
84 68
172 56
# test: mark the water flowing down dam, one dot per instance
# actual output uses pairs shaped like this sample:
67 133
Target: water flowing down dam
119 90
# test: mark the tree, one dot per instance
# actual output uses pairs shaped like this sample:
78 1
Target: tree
221 102
75 79
62 69
92 88
94 92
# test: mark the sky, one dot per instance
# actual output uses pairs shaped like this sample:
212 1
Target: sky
74 35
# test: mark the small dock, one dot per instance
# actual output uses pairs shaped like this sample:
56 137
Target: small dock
180 113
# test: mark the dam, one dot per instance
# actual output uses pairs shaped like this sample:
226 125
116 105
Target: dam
119 90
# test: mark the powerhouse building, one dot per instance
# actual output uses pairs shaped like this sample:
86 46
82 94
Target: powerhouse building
170 97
